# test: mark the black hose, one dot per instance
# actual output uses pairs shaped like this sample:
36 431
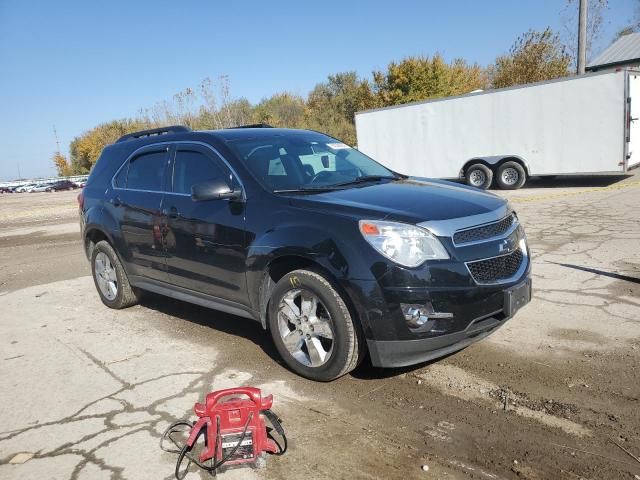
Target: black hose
276 422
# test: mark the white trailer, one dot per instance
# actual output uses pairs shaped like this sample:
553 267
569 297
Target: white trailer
578 125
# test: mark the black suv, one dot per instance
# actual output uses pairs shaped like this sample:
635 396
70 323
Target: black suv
331 252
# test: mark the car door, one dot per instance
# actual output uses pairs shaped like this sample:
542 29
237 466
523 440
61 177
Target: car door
205 241
136 204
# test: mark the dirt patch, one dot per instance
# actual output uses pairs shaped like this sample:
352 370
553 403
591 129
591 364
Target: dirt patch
579 336
459 383
38 239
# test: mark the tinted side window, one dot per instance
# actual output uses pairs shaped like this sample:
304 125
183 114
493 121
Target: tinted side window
193 167
145 171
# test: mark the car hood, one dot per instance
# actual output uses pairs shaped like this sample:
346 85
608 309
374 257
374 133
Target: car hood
410 200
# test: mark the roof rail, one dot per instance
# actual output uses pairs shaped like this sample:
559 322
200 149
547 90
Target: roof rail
254 125
153 131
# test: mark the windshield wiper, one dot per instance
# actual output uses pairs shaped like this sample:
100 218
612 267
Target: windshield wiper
366 178
304 189
337 186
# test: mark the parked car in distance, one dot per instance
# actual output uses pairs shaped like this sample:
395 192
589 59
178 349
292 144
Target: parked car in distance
62 185
24 188
40 187
334 254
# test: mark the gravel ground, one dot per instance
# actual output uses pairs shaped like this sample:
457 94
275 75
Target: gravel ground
553 394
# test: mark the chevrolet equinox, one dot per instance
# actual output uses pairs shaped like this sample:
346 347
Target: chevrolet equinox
334 254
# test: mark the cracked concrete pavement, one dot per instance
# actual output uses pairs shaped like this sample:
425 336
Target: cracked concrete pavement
553 394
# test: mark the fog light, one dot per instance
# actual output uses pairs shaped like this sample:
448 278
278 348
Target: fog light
415 315
421 316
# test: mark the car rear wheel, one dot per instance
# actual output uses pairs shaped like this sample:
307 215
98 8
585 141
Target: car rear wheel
511 176
312 327
479 175
110 278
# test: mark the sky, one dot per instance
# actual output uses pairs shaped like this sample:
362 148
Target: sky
74 64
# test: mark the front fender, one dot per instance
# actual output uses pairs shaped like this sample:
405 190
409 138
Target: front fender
334 250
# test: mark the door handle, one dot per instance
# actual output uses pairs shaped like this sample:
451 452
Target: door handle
171 212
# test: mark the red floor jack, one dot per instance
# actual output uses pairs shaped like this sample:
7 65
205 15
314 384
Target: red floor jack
234 431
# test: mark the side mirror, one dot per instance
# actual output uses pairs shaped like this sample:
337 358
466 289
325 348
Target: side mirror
216 189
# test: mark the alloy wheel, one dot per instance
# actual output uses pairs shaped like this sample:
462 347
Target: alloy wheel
305 327
106 276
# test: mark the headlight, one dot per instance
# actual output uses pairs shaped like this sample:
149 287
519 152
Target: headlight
405 244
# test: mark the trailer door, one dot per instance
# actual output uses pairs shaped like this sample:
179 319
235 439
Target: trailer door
633 120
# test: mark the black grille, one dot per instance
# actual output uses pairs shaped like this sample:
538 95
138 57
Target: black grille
497 268
484 232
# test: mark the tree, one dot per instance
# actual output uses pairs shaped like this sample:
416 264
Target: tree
595 22
85 149
281 110
62 165
331 105
633 24
535 56
422 78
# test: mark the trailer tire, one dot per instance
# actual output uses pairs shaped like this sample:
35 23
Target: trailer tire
511 176
479 175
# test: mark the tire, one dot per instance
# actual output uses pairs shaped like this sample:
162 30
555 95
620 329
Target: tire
479 175
120 294
304 325
511 176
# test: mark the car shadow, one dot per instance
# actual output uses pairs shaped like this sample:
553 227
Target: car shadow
596 271
564 181
215 319
253 331
567 181
366 371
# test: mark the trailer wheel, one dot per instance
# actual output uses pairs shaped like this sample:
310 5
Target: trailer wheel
511 176
479 175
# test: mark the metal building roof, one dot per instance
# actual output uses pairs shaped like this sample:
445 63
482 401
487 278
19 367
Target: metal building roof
625 49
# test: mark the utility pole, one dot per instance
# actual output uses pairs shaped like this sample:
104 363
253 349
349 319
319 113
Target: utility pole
582 37
55 134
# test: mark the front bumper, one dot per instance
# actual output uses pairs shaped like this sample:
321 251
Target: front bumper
399 353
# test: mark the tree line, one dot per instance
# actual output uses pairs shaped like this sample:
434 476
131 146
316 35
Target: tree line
331 105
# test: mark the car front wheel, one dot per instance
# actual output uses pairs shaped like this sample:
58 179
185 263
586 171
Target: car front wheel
312 327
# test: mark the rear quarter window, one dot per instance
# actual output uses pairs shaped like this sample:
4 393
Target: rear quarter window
120 180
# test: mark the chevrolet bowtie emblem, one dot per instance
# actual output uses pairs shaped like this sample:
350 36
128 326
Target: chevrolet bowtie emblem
508 245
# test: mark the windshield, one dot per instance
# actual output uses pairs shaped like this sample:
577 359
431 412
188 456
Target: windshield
305 161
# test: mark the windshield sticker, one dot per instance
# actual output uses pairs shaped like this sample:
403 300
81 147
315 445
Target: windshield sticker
337 146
